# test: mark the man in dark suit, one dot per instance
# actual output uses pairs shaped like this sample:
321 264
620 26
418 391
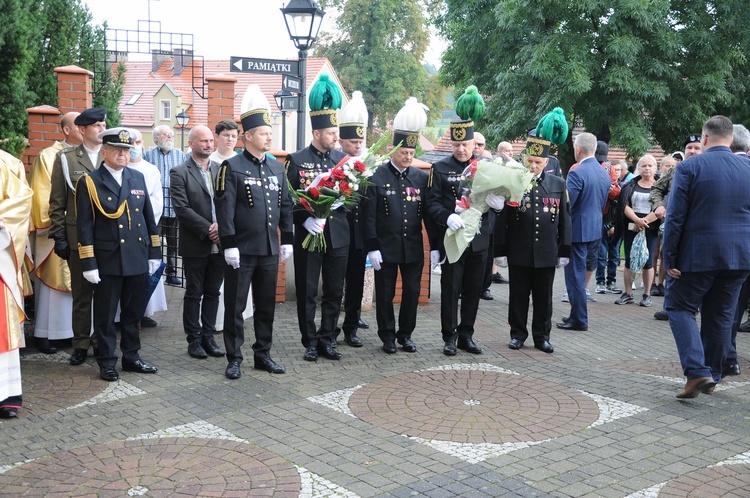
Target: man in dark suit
588 187
706 254
191 187
70 164
531 242
252 207
119 244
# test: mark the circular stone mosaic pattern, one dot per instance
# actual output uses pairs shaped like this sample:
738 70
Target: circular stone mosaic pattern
723 480
48 387
473 406
157 467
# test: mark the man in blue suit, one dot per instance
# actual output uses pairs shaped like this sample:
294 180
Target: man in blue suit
588 186
706 254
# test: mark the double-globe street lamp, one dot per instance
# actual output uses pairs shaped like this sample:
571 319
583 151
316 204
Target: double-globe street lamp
303 19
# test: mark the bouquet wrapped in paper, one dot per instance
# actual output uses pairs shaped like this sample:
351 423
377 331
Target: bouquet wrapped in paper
501 177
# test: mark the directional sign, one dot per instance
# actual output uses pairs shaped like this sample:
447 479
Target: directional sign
290 104
267 66
291 84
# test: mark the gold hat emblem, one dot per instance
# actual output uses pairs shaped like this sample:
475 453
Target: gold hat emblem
266 118
124 137
459 134
334 119
535 149
411 140
360 131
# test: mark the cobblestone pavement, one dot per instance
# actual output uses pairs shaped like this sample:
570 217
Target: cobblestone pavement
598 417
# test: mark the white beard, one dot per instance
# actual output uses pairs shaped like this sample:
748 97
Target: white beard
166 145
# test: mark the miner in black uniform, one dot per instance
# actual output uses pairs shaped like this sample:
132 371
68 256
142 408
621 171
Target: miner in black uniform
252 206
302 168
393 224
118 243
531 239
464 277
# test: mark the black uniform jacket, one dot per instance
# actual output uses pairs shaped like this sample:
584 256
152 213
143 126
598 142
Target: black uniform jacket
253 205
122 245
538 231
393 213
443 191
192 200
302 168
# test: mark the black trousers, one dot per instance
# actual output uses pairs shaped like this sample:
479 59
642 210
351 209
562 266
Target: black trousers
203 278
262 272
309 268
354 284
169 228
463 278
128 293
385 290
83 294
536 282
487 282
742 299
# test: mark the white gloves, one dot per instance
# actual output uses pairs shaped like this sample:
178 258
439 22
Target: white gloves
315 225
92 276
375 259
434 257
153 265
455 222
496 202
562 262
501 261
232 257
285 251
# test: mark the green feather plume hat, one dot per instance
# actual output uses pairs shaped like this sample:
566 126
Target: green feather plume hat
324 99
551 129
469 107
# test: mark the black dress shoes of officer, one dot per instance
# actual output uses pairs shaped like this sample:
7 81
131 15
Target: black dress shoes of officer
78 357
42 344
744 326
515 344
148 323
469 346
210 347
361 324
733 369
499 279
8 412
571 326
352 339
311 354
196 350
330 353
408 345
661 315
233 370
267 364
389 347
138 366
545 347
487 295
450 348
109 374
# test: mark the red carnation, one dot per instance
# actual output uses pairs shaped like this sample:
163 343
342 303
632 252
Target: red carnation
327 183
359 167
314 192
338 174
345 189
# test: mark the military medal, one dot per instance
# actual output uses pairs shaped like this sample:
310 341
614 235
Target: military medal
545 200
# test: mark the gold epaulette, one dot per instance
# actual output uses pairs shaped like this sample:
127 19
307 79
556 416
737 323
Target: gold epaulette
85 251
155 241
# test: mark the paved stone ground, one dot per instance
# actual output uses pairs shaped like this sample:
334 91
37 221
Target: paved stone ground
596 418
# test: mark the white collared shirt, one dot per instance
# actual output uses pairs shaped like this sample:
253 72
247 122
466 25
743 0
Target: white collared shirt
116 173
93 155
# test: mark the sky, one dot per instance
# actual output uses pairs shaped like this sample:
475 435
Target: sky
248 28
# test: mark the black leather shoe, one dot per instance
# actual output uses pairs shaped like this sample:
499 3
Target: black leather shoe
661 315
545 347
744 326
450 348
311 354
267 364
330 353
733 369
78 357
196 350
569 326
173 280
42 344
353 340
139 366
499 279
233 370
361 324
389 347
210 347
487 295
408 345
469 346
565 319
148 323
109 374
8 412
515 344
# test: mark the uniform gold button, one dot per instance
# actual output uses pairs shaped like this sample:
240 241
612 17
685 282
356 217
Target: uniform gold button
122 241
139 224
140 239
137 196
120 226
109 198
137 210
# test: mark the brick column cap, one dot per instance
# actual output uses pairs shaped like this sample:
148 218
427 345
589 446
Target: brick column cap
222 77
73 70
44 109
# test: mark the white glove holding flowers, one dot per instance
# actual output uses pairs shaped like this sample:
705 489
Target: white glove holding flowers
496 202
315 225
455 222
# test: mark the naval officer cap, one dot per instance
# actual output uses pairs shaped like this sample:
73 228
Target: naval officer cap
118 137
91 116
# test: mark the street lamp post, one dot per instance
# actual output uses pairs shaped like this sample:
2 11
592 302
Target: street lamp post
182 122
280 96
303 19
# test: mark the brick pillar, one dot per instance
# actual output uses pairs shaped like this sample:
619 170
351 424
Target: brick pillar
44 130
220 99
73 88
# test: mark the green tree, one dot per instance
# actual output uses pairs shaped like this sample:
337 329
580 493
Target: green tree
16 35
378 48
632 72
